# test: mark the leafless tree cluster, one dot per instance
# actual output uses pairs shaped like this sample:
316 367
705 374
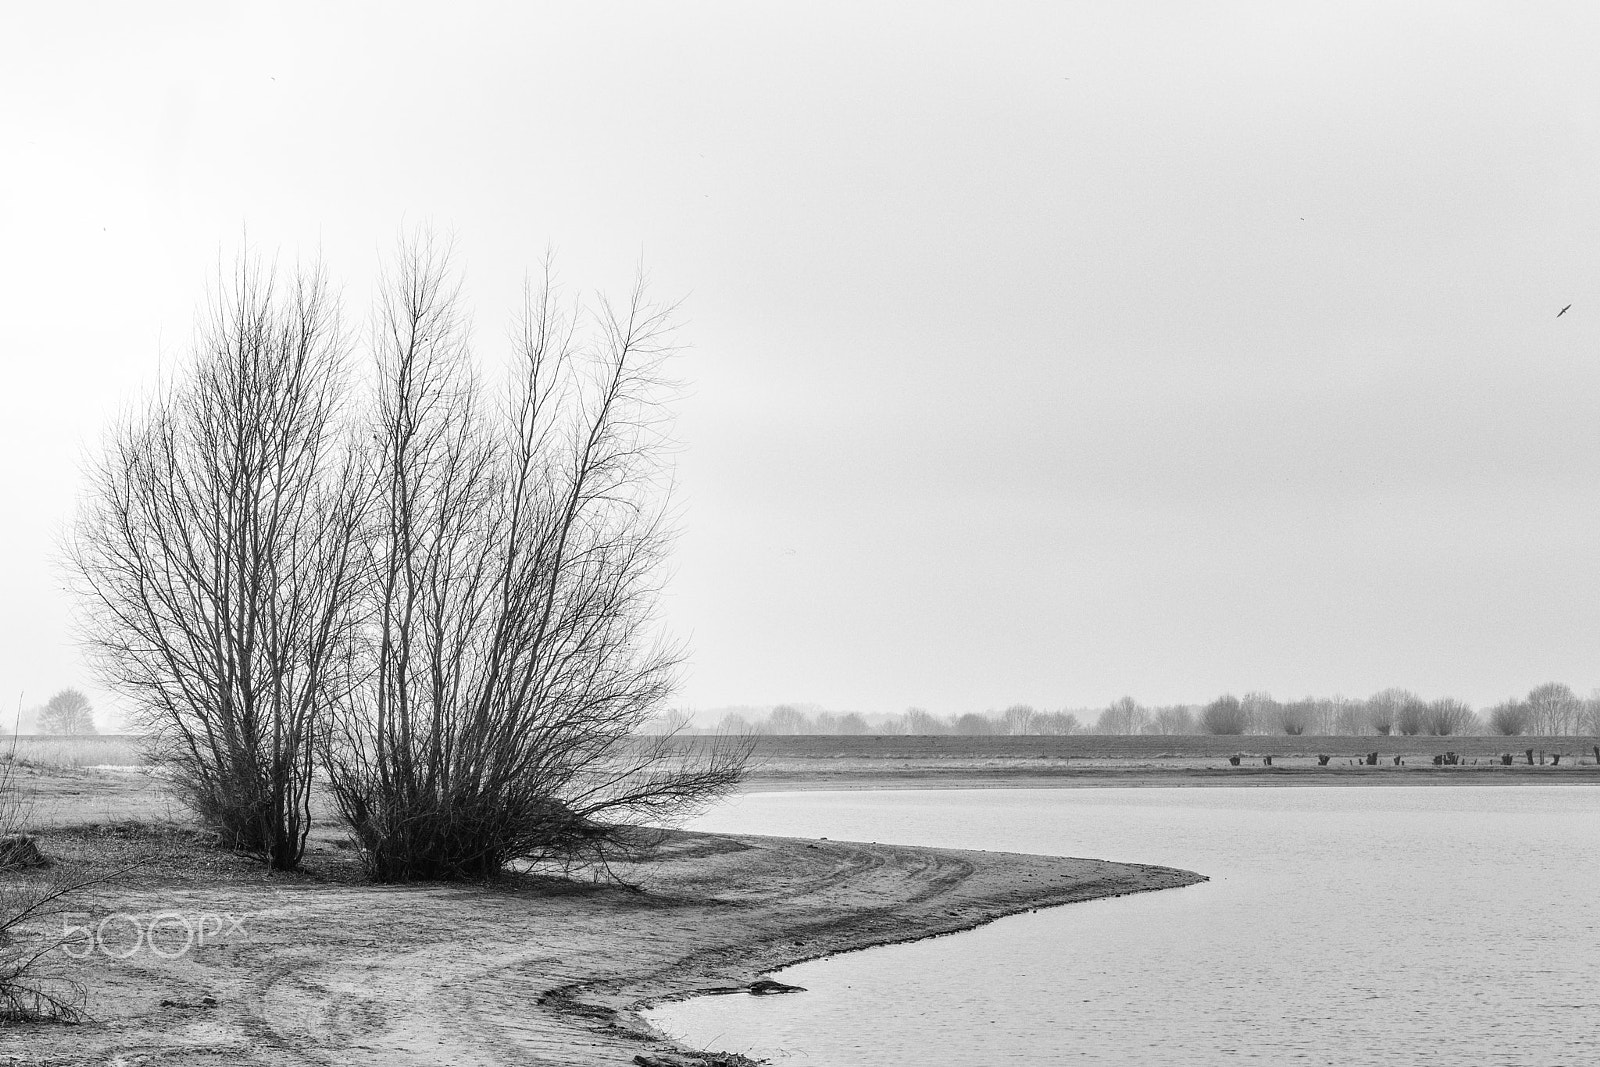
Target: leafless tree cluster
444 594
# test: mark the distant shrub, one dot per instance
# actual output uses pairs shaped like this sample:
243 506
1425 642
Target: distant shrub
1411 717
1225 715
851 722
1508 718
1056 724
974 725
1293 718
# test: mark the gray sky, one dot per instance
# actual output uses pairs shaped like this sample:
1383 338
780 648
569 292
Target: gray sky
1040 353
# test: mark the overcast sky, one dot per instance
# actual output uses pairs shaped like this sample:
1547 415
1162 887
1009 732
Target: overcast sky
1038 353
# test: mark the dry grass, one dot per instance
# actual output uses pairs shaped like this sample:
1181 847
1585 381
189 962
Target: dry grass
73 753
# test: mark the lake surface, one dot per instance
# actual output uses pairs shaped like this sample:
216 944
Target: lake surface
1341 926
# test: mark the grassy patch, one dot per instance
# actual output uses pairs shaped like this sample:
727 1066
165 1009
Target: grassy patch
74 753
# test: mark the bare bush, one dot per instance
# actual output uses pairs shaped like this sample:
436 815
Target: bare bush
214 556
31 988
516 557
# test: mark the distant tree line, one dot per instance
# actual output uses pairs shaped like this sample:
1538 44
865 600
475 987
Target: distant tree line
1548 710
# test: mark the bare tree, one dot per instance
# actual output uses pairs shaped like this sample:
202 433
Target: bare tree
1018 719
68 712
1176 719
1125 716
516 559
1447 716
787 719
214 555
1261 712
1553 708
921 721
1412 716
1383 709
1294 717
1351 717
1057 723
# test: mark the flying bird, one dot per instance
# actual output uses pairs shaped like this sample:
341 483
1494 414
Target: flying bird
1563 311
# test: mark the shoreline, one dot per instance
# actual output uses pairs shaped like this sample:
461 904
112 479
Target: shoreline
527 969
944 892
1156 775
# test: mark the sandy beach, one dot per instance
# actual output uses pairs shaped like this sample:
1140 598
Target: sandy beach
323 968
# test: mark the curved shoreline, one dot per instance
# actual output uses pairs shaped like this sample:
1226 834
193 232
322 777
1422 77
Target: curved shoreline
940 892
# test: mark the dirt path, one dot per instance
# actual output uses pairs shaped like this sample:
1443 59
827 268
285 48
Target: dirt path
331 971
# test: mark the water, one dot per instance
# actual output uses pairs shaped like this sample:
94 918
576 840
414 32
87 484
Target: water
1341 926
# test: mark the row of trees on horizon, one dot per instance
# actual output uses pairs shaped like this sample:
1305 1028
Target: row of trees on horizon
1551 709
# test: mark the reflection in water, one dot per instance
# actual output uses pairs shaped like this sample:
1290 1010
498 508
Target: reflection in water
1341 926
